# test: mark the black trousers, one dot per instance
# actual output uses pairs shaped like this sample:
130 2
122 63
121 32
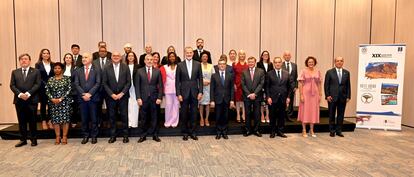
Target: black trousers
188 116
336 115
149 116
88 114
44 111
289 111
113 107
277 115
222 112
26 113
76 110
252 108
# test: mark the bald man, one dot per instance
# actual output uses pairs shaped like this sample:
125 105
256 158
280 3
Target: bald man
87 84
292 69
148 51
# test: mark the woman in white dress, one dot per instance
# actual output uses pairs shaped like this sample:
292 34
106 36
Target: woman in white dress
207 70
133 108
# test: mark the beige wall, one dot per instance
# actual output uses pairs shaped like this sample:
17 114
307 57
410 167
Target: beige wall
321 28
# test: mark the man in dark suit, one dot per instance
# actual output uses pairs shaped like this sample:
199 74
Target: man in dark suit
148 84
148 51
199 50
222 97
100 64
252 84
77 58
87 83
279 85
189 90
337 92
229 68
116 82
98 54
25 83
292 68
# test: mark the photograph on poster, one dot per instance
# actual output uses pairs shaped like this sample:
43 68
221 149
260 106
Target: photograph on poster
389 89
381 70
389 99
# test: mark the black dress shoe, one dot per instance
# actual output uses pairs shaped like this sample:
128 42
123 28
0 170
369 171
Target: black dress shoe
156 138
94 140
340 134
258 134
282 135
289 120
225 136
272 135
332 134
185 137
142 139
34 142
20 144
218 136
194 137
112 140
125 140
84 140
247 133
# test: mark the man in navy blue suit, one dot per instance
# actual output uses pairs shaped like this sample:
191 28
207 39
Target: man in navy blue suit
87 83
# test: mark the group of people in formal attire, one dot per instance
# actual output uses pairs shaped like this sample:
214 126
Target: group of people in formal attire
132 90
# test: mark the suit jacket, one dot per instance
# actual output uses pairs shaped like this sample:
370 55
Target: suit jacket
97 63
255 86
95 55
261 66
91 85
43 74
78 61
332 87
197 57
220 93
294 73
279 88
185 86
72 78
112 86
31 84
144 88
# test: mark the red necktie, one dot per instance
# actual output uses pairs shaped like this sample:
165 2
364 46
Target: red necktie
149 75
251 74
87 73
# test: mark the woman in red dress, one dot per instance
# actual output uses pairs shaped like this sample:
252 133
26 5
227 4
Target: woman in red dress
238 68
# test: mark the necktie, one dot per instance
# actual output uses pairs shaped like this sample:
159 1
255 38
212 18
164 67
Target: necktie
288 67
251 74
116 72
24 75
189 68
222 78
76 58
278 74
339 76
103 63
86 73
149 75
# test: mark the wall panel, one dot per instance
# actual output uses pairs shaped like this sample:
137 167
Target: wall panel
383 20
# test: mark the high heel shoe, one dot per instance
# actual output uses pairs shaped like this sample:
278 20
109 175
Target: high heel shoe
313 134
304 134
207 123
64 140
57 142
202 122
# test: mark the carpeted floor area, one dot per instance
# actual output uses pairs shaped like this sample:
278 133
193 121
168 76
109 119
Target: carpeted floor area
360 153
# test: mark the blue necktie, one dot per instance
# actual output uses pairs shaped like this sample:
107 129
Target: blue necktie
222 78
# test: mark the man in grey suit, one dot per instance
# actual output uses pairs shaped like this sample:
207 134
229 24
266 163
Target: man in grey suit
116 80
337 88
252 84
87 84
222 97
189 90
292 69
148 84
279 86
25 83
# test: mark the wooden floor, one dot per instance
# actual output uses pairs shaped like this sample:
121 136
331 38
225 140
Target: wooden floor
360 153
